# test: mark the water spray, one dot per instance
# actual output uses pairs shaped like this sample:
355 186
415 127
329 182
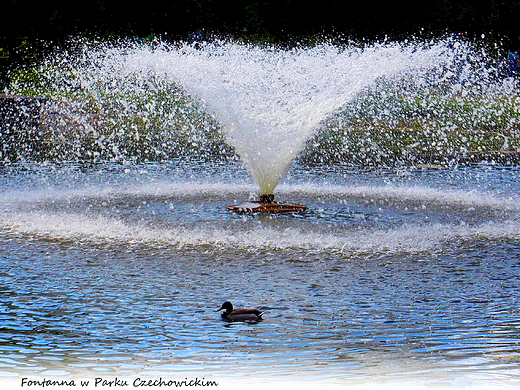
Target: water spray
133 103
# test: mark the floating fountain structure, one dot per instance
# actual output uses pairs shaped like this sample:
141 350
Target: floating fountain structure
266 203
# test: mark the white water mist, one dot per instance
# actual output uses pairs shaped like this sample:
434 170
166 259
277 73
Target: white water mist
268 101
133 101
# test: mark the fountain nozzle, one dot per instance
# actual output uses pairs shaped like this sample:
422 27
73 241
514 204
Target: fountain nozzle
266 204
266 198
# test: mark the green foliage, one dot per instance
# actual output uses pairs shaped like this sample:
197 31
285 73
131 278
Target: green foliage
117 119
391 123
278 20
49 24
26 81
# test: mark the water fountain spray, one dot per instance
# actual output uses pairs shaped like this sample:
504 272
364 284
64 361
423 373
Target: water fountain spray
268 102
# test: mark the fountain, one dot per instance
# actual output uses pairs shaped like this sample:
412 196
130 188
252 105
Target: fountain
268 102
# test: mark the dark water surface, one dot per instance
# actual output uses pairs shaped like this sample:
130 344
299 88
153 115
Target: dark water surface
389 277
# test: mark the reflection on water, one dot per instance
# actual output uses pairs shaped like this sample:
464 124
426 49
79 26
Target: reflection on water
398 278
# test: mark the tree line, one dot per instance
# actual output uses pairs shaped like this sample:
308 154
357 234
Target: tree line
280 21
274 20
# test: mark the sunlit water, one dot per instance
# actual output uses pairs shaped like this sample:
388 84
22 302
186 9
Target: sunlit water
398 277
401 276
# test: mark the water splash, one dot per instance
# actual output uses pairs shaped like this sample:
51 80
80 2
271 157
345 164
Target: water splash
169 215
270 102
379 104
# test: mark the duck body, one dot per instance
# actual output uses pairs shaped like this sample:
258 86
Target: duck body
245 315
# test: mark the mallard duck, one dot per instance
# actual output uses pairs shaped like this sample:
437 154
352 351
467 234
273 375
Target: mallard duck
246 315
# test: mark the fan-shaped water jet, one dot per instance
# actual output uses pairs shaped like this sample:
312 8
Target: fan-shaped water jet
270 102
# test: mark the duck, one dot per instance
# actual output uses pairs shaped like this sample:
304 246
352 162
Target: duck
245 315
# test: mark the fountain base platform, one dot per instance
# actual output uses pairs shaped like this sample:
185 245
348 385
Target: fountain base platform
256 206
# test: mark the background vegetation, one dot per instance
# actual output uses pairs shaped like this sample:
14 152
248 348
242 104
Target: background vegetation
416 126
277 20
28 27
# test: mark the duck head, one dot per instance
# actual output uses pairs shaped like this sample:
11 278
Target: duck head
227 306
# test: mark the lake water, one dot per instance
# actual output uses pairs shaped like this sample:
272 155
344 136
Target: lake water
391 277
